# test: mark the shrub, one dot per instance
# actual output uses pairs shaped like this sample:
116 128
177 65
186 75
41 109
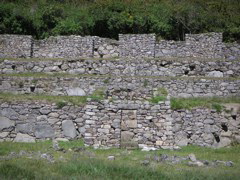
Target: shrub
61 104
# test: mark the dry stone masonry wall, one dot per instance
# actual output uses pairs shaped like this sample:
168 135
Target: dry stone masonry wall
138 69
134 45
127 67
119 124
208 45
16 46
206 127
132 88
63 46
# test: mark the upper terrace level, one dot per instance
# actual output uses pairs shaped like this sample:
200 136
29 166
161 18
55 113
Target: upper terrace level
208 45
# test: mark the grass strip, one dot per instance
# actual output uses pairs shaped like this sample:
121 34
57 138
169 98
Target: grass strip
206 102
60 101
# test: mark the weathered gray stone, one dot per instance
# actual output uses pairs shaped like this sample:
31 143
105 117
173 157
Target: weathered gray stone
181 139
126 136
45 111
8 112
192 157
4 134
76 92
111 158
215 74
44 130
5 123
195 163
24 138
62 139
69 129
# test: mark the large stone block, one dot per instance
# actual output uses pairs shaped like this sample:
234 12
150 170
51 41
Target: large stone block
5 123
44 130
25 128
76 92
24 138
69 129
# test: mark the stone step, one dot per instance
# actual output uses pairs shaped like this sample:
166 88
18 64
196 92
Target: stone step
120 87
126 66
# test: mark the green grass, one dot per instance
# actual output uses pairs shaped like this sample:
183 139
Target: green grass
60 101
176 103
157 99
159 95
207 102
127 164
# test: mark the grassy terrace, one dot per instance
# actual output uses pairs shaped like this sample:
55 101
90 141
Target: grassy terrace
206 102
59 100
176 103
67 75
93 164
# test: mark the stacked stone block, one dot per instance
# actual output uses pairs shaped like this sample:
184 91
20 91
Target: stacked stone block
16 46
137 45
63 47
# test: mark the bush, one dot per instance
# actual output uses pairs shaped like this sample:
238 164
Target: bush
61 104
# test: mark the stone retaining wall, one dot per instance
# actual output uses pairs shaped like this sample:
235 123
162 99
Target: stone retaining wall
16 46
128 67
100 124
206 127
208 45
118 124
137 45
63 46
132 88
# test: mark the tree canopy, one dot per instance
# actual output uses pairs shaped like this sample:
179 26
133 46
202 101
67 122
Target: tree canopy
169 19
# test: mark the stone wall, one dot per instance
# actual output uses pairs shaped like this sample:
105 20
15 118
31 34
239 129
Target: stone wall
137 45
208 45
118 124
15 46
206 127
105 48
231 51
99 124
128 67
63 47
132 88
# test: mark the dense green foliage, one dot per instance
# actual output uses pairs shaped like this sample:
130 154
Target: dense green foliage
169 19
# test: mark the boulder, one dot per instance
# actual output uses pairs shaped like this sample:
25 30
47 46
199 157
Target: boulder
127 136
215 74
24 138
69 129
181 139
5 123
192 157
43 130
25 128
9 113
111 158
4 134
223 142
76 92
